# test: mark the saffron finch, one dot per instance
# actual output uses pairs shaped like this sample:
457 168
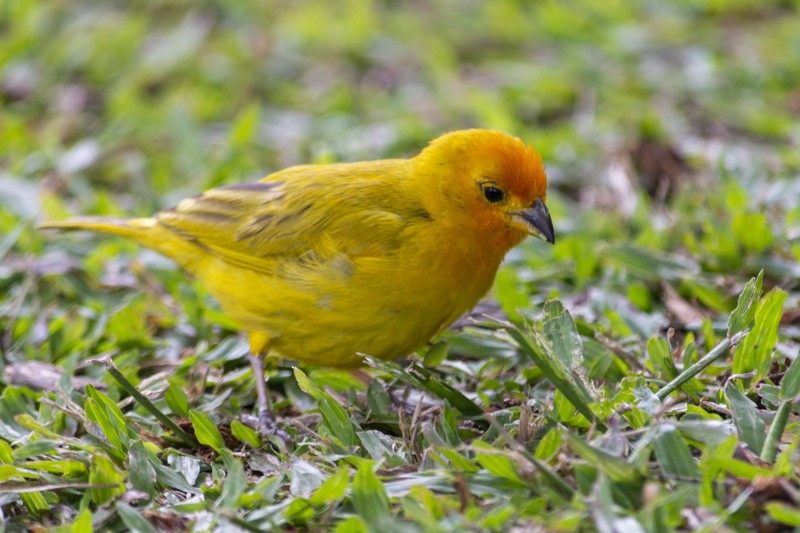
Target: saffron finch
321 263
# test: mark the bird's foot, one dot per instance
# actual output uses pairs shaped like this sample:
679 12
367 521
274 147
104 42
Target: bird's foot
267 427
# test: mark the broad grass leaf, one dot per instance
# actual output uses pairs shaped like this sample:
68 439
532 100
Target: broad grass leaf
369 498
689 356
434 384
10 472
549 445
32 449
646 399
788 515
600 362
104 472
141 472
189 467
206 430
752 430
381 447
83 522
336 380
790 384
499 519
101 410
660 357
497 462
268 487
173 479
604 509
6 452
753 231
459 461
436 355
35 502
306 478
742 317
776 431
448 426
614 467
560 330
422 506
432 437
334 416
149 406
423 378
743 469
352 524
378 399
709 432
235 482
243 433
177 400
754 352
299 511
134 520
555 372
333 490
673 454
563 408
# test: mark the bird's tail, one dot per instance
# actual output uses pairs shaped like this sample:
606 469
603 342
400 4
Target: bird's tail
145 231
137 229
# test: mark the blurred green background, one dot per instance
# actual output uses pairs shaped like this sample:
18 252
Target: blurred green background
670 131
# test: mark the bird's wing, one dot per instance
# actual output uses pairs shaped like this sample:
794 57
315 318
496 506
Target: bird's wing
307 213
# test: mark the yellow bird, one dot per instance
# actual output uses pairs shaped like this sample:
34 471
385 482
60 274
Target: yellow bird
322 263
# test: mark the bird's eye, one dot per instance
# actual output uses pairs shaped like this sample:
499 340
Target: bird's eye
493 194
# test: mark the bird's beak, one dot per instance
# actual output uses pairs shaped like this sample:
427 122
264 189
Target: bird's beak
535 220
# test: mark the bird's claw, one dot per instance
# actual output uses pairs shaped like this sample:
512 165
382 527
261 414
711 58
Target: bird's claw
268 427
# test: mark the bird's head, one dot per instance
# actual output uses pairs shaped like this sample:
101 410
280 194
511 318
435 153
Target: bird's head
488 182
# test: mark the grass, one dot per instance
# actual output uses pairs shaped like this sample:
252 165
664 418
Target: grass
640 375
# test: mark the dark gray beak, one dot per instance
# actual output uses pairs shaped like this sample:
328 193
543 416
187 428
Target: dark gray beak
537 217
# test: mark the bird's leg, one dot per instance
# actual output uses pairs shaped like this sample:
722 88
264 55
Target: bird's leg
266 421
259 344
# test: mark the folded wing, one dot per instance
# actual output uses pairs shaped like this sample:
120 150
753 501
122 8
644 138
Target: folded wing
302 214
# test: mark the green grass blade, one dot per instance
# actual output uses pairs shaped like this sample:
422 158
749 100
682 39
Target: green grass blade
423 378
754 353
368 496
673 454
790 384
741 318
235 481
133 519
749 425
141 472
616 468
560 329
718 352
770 449
335 417
206 430
564 383
147 404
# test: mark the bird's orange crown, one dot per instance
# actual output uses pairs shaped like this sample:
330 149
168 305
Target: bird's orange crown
489 182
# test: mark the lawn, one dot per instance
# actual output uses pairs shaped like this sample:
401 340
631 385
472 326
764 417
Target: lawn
640 375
